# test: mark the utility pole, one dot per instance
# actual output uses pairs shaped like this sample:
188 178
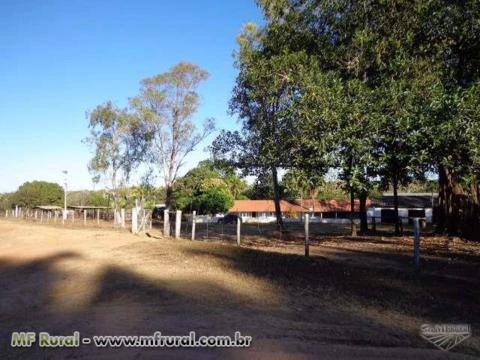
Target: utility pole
65 172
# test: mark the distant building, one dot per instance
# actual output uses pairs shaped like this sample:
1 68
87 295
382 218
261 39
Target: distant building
328 211
264 210
409 205
331 209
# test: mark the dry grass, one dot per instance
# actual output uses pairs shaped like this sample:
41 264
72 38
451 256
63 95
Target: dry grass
354 297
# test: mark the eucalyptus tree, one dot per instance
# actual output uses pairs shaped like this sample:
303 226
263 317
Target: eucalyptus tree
166 105
119 140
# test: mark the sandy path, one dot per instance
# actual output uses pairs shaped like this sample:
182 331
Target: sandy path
101 282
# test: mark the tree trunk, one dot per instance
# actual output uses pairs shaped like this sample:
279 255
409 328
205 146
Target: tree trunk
168 195
458 211
276 199
352 212
473 231
363 212
451 196
395 206
441 210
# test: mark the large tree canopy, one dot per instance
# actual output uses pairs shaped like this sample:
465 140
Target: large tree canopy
403 90
36 193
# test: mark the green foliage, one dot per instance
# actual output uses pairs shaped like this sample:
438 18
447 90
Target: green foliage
420 186
88 198
262 187
119 141
332 190
6 200
36 193
302 184
398 81
213 200
207 189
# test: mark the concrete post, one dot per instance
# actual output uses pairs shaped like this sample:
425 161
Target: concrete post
416 244
239 225
178 223
134 220
122 214
166 224
307 235
194 220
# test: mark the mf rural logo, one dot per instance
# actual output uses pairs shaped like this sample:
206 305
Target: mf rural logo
445 336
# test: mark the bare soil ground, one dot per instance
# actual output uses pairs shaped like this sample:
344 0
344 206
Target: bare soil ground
353 298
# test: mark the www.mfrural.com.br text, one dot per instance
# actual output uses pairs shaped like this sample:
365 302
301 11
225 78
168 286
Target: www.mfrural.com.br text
157 339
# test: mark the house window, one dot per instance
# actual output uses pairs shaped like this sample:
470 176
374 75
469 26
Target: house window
388 216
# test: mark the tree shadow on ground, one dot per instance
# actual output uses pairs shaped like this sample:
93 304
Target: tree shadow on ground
425 296
121 302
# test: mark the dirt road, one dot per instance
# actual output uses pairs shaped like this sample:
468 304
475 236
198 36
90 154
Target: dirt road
101 282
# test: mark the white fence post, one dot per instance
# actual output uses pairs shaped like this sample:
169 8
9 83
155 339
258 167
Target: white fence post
166 223
194 220
178 223
416 244
98 216
239 222
134 220
307 244
85 217
122 214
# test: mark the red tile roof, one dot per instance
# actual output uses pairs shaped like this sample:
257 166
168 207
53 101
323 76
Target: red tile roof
297 206
329 205
264 206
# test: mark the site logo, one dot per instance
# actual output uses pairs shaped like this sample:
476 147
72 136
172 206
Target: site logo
445 336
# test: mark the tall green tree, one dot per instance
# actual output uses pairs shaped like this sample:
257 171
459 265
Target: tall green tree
381 50
452 42
119 141
166 105
268 96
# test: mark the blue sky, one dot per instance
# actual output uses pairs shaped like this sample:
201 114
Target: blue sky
62 58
